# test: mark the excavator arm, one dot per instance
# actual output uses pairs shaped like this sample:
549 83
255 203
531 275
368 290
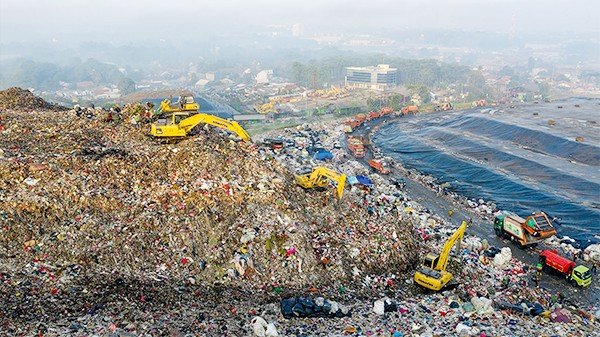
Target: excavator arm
456 238
433 275
340 179
189 123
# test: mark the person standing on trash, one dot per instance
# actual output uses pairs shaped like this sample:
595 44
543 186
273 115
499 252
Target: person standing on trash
561 297
536 279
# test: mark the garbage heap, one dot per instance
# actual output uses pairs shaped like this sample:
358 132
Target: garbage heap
20 99
84 201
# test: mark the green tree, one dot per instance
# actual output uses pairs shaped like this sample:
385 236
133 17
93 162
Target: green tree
420 90
395 101
543 89
126 86
506 71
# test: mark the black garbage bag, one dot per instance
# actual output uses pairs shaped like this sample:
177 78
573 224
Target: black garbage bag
307 307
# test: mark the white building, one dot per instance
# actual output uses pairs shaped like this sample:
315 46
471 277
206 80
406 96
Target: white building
381 77
263 76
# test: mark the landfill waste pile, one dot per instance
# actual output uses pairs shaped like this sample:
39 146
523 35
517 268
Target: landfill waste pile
104 230
20 99
497 294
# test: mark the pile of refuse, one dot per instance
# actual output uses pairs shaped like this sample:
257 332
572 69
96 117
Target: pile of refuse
86 204
497 294
20 99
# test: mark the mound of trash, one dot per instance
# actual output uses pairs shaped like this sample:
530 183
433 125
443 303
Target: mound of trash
20 99
88 200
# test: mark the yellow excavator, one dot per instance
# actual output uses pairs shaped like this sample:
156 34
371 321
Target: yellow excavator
184 103
432 274
318 179
180 124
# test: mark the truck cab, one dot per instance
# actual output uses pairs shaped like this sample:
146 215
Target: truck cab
576 275
581 276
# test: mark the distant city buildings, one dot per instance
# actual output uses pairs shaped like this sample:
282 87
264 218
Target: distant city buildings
381 77
263 76
297 30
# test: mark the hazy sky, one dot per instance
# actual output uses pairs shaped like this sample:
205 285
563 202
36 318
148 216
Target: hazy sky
131 21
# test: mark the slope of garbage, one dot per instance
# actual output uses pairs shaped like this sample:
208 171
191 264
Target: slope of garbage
498 294
20 99
92 210
104 231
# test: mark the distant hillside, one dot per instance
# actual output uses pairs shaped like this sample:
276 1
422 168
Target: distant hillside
50 76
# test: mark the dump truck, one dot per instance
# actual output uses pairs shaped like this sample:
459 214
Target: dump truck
379 165
479 103
356 146
386 111
432 274
410 109
361 118
353 123
576 275
524 232
319 177
373 115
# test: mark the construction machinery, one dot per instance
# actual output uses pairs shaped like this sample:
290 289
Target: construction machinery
479 103
409 109
432 274
332 93
361 118
353 123
184 103
373 115
319 178
379 165
356 146
524 232
179 125
265 108
576 275
386 111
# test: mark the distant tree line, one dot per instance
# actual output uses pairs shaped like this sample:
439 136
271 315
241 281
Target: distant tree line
427 73
47 76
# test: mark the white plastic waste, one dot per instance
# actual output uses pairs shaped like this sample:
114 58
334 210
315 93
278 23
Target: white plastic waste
271 330
482 305
502 258
379 307
259 326
463 330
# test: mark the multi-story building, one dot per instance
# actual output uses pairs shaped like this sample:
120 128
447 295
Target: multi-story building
381 77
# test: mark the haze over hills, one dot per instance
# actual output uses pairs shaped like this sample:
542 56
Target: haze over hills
163 37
